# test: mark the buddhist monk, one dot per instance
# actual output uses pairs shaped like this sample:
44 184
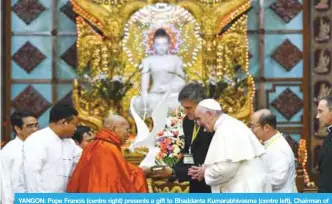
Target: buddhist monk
103 169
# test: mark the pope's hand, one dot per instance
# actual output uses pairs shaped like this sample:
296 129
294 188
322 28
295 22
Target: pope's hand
164 173
196 172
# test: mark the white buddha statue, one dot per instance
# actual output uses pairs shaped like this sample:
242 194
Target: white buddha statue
164 72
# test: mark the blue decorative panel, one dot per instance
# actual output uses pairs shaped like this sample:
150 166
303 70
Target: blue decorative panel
67 57
43 70
272 68
254 50
274 22
253 16
63 90
296 137
44 119
45 90
65 17
42 23
288 106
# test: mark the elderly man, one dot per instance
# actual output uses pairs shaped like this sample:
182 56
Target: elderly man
102 168
279 156
233 163
324 114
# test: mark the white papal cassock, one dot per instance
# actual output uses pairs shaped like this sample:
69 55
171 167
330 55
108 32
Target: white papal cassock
233 162
280 160
13 158
49 161
6 187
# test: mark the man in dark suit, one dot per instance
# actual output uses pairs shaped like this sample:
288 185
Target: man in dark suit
324 114
197 141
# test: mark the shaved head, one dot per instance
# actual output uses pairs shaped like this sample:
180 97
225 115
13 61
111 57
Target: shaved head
118 125
114 120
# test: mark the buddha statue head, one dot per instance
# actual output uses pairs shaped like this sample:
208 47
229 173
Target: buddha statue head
161 42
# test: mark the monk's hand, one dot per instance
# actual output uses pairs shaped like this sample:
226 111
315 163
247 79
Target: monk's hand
146 170
163 173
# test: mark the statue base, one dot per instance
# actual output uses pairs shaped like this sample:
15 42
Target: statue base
166 186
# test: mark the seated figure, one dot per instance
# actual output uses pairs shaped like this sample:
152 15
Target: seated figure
167 75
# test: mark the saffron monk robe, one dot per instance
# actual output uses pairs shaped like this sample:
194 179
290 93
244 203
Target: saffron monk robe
103 169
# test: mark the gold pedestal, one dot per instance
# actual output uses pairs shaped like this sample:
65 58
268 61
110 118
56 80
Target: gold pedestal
166 186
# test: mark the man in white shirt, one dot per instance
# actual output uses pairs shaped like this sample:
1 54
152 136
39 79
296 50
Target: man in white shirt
24 124
233 163
50 155
7 196
279 156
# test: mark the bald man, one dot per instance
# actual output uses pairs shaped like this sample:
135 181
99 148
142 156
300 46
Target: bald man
279 156
233 162
102 168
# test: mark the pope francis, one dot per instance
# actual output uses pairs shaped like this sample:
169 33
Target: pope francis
233 163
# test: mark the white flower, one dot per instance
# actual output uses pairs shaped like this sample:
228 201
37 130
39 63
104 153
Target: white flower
200 82
85 76
173 154
176 150
99 77
168 122
229 81
118 78
102 76
181 133
212 81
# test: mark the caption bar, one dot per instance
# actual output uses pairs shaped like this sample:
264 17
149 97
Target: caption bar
173 198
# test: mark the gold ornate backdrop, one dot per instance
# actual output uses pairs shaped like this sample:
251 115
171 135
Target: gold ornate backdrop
104 34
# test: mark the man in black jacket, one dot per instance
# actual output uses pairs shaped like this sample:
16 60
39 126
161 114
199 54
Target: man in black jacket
197 141
324 114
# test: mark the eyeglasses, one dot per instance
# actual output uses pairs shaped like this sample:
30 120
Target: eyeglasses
252 126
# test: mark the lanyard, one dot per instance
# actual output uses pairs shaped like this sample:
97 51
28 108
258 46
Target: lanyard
195 132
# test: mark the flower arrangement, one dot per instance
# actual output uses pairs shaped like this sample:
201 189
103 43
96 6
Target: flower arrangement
109 85
170 140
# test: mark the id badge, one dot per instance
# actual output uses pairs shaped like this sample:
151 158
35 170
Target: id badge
188 159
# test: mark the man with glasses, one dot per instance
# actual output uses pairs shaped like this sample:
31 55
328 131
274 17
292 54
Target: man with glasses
24 123
50 155
279 157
